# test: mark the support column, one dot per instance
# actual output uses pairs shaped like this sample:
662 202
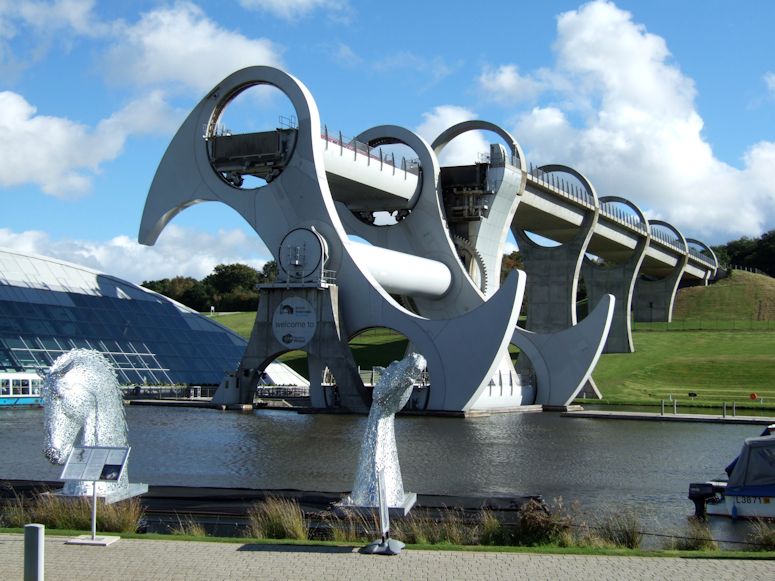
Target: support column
326 343
553 277
654 298
618 280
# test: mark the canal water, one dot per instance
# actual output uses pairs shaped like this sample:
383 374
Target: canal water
604 465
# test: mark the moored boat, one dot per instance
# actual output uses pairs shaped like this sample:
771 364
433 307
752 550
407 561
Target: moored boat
19 389
749 489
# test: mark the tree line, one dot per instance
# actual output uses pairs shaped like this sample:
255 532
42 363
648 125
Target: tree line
749 252
230 287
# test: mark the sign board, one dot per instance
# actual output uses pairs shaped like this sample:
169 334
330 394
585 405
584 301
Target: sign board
294 322
95 463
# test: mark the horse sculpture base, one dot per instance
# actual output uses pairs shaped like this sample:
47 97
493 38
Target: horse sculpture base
400 510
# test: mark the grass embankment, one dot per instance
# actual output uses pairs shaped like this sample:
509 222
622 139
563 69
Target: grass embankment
726 355
741 297
718 366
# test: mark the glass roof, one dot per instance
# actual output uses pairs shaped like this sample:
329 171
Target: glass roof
48 307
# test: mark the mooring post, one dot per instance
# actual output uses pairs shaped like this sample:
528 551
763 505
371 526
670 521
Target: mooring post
724 413
675 407
662 410
34 537
734 409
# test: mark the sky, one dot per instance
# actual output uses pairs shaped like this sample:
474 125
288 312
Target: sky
668 104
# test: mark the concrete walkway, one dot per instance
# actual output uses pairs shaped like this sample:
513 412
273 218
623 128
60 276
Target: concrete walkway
199 561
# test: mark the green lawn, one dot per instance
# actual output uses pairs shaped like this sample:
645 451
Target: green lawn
717 365
241 323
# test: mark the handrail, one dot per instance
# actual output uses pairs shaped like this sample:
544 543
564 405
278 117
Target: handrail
408 166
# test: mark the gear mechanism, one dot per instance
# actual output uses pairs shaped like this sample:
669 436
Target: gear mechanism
472 260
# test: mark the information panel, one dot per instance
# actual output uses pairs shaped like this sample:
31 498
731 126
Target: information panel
95 463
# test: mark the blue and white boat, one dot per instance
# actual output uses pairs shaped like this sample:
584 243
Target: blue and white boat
749 489
20 389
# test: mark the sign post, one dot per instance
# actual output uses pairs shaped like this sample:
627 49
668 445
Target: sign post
95 464
386 545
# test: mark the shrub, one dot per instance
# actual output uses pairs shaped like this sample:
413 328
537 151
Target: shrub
696 537
538 525
277 518
189 527
491 530
621 529
73 513
762 535
352 526
448 526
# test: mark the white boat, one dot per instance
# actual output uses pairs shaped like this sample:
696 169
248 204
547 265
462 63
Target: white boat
20 389
749 490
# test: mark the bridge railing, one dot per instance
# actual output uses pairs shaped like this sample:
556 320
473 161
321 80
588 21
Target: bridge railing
407 165
613 212
566 189
668 239
703 258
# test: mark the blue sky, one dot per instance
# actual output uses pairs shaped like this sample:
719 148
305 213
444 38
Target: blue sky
670 104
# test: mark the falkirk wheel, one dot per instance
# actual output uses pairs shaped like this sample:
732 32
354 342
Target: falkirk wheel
341 274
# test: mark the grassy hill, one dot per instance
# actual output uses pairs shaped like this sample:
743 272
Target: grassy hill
726 364
744 296
717 365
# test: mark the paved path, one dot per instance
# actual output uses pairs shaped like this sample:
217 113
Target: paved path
134 559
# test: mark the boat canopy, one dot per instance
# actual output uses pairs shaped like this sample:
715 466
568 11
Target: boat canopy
756 464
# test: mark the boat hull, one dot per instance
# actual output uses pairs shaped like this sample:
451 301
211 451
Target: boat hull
744 506
21 401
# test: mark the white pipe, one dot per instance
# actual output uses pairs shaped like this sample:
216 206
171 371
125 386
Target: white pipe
403 274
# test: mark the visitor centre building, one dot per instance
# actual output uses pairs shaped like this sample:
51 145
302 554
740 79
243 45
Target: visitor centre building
48 307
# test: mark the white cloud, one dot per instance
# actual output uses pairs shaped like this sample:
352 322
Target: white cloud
47 18
505 85
624 114
431 69
462 150
295 9
71 152
75 15
179 252
769 81
182 46
344 55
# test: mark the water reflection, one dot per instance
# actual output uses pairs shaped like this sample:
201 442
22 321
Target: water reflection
605 464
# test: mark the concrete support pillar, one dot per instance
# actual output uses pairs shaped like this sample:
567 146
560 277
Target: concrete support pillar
618 280
654 298
319 333
553 278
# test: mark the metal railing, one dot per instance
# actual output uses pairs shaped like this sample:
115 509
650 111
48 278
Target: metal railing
567 189
407 165
611 211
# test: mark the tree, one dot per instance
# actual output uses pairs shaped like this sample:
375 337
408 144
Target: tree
750 252
510 262
158 286
226 278
269 272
